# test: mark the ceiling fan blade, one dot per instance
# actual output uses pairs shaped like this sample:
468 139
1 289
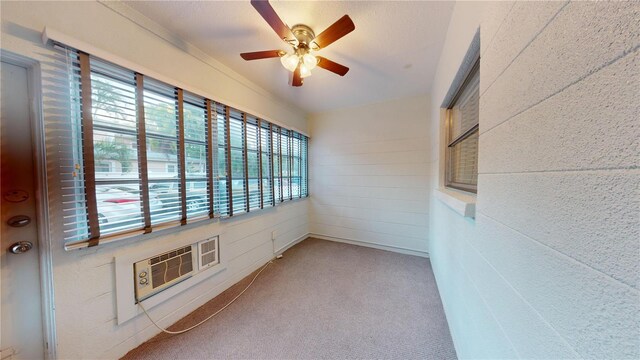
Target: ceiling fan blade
334 32
257 55
332 66
297 79
271 17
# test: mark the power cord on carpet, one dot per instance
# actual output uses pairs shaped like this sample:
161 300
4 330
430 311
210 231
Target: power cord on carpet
210 316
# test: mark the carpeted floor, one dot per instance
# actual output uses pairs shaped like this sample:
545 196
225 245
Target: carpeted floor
323 300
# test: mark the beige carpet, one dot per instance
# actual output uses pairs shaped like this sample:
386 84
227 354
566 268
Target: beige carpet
323 300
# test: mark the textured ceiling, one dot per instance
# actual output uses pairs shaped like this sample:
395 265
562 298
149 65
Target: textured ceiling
392 53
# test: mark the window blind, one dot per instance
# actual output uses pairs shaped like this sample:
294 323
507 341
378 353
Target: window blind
277 162
304 166
285 151
238 164
65 153
116 141
462 152
223 176
198 160
133 155
266 164
253 163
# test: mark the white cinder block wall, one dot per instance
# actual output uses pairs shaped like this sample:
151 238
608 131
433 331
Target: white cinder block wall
550 266
84 279
369 176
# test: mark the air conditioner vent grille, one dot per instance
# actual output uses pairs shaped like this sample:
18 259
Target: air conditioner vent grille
171 268
207 246
209 254
209 258
170 254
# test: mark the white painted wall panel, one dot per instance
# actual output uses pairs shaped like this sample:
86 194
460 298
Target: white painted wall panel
592 114
553 253
398 217
590 216
369 174
581 39
85 279
375 192
408 156
388 181
595 314
514 313
531 17
476 332
245 244
498 13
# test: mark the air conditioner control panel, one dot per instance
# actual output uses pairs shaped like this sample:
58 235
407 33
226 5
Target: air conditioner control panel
155 274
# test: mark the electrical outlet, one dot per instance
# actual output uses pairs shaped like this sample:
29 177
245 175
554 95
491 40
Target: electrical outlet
274 233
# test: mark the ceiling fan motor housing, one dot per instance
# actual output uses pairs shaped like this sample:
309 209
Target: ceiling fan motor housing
304 34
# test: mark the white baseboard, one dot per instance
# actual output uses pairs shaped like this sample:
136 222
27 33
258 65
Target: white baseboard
396 249
290 244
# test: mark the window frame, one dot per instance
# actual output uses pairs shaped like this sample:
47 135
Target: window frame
450 142
214 177
108 164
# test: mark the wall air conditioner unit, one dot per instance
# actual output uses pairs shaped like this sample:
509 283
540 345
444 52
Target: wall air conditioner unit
159 272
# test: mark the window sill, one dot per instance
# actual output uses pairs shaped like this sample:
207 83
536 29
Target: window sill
461 203
175 226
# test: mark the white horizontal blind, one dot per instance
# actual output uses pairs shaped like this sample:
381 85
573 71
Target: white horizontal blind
161 120
285 151
295 166
222 173
462 162
115 145
132 153
63 138
253 163
266 163
197 162
465 110
304 166
276 136
238 183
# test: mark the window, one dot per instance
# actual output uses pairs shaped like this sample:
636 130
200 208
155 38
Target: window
253 162
276 136
238 162
266 163
285 164
223 176
103 166
113 114
147 155
462 135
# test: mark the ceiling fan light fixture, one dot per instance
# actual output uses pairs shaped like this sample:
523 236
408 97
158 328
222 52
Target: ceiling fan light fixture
304 70
290 62
309 61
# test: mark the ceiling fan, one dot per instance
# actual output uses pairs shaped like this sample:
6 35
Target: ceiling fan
303 41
